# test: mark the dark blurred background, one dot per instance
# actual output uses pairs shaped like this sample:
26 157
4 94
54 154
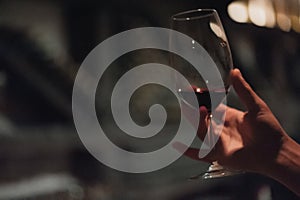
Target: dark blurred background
42 44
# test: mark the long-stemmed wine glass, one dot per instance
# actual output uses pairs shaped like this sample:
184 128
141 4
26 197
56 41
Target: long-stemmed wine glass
204 27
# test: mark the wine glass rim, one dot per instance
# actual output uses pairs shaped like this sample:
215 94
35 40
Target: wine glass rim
181 15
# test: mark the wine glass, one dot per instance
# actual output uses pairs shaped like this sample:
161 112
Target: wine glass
204 27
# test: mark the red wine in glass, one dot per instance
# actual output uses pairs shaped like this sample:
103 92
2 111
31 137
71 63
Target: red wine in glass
203 96
205 28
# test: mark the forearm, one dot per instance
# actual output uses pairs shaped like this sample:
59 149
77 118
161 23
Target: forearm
286 168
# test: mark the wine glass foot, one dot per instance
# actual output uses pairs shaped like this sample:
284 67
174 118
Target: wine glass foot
216 171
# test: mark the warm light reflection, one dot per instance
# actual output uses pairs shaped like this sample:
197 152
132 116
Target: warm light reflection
284 22
296 23
238 11
270 13
267 13
257 13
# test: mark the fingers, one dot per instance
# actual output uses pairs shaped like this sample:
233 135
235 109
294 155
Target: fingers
203 123
251 100
193 153
189 114
190 152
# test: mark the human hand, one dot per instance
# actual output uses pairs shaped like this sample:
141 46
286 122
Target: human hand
250 140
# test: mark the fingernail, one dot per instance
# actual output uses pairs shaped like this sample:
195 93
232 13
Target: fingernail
238 71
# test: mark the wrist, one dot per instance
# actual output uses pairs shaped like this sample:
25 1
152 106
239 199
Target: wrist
285 167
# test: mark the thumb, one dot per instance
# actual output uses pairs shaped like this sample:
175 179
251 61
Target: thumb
251 100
